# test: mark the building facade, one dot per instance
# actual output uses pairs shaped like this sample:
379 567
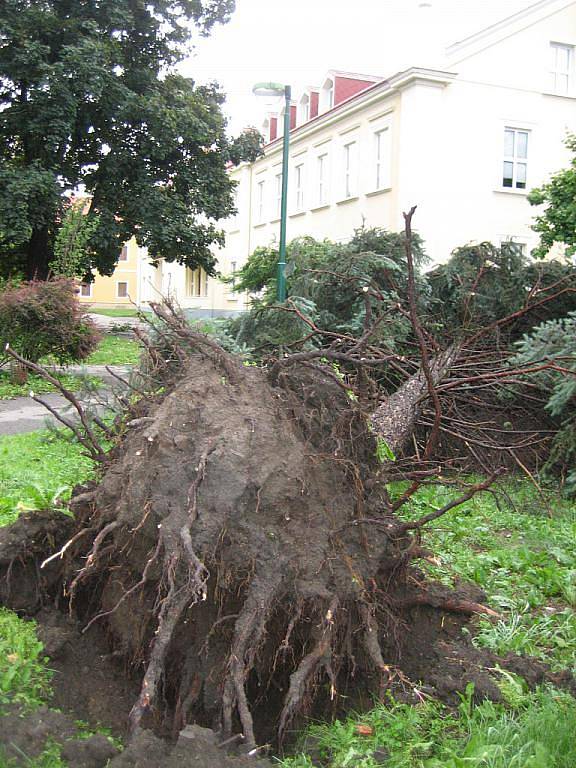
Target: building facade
464 140
463 135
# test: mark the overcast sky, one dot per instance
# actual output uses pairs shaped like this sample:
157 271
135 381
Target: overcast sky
297 41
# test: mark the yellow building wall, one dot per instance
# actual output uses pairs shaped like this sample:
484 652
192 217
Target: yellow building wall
104 291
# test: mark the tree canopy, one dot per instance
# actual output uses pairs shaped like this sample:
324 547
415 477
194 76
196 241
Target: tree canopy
89 98
557 223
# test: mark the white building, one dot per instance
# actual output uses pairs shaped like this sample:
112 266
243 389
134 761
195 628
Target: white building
464 135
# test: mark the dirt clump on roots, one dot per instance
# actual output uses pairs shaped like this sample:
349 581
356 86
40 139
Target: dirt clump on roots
223 557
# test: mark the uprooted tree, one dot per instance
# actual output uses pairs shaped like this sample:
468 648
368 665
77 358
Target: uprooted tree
243 547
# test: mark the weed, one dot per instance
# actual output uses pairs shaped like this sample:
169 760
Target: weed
24 677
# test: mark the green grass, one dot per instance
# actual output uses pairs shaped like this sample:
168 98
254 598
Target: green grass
37 470
115 350
523 557
38 385
24 676
533 730
115 312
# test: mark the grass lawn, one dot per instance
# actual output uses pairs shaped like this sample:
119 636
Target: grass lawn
115 312
112 350
36 469
115 350
38 385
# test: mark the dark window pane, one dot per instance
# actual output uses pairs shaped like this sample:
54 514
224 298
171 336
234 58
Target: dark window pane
507 176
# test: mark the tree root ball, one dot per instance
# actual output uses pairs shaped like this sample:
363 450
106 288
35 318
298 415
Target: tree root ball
225 553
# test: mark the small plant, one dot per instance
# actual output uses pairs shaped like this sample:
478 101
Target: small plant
24 677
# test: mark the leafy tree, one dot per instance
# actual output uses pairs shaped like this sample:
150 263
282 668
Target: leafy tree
557 224
89 96
71 246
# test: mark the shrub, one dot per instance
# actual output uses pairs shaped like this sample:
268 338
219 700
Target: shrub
555 340
40 318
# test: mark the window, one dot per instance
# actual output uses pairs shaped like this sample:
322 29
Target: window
86 290
260 200
299 186
322 178
561 68
124 254
304 109
330 95
278 195
512 247
382 159
350 169
233 219
122 290
196 282
515 165
232 283
327 95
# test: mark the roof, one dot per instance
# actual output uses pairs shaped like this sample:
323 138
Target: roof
503 28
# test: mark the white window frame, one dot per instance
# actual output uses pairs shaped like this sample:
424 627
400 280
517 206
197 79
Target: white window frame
234 219
515 159
299 185
124 253
558 73
327 95
323 177
277 195
231 292
86 295
196 284
118 284
304 110
260 200
514 240
382 158
350 166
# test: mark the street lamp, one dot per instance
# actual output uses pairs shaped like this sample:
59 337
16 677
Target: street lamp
277 89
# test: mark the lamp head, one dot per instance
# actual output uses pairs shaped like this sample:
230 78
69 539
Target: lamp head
269 89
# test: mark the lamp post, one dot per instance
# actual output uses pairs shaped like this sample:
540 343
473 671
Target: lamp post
277 89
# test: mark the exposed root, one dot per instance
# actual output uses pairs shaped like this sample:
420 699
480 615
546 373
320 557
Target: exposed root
249 632
91 560
172 608
446 604
152 561
319 656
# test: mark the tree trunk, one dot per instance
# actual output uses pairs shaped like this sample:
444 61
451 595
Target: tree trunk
38 255
394 420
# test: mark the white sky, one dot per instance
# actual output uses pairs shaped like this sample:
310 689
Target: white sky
297 41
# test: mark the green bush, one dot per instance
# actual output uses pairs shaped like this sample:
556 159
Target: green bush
39 318
555 340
